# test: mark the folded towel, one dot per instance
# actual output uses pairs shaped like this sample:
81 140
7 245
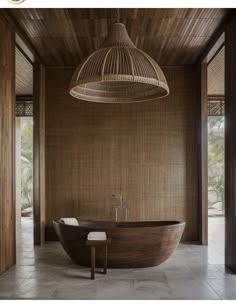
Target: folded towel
97 236
70 221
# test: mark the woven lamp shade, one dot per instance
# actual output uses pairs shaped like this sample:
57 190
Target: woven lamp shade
118 73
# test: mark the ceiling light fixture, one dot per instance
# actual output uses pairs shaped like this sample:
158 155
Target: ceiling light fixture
118 72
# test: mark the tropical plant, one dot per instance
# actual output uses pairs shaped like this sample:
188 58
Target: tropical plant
26 162
216 160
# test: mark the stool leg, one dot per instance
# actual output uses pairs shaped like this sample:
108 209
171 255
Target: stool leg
92 262
105 261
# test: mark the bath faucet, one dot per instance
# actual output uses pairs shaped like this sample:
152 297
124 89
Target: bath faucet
121 206
118 198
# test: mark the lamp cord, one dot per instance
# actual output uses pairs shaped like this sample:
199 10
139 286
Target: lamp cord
117 15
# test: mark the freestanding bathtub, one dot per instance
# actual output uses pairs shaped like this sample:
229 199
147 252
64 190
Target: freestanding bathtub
133 244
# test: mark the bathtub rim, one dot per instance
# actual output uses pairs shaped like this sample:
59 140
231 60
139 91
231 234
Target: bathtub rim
172 223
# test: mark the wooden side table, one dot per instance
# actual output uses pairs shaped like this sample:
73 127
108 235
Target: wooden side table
93 244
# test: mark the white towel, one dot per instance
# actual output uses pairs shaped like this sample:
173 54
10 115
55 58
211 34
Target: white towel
70 221
97 236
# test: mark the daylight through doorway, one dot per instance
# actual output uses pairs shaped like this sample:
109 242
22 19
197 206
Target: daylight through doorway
216 159
216 204
24 180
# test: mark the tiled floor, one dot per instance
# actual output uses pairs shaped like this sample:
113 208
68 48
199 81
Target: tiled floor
216 240
46 272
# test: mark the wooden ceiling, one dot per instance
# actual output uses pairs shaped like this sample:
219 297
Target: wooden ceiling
24 75
216 74
63 37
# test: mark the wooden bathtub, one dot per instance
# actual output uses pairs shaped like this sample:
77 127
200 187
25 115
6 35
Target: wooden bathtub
133 245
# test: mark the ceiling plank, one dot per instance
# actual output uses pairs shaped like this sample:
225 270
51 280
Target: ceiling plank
7 13
64 37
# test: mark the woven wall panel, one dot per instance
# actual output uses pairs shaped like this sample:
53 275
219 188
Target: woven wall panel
146 152
216 74
24 109
216 108
24 74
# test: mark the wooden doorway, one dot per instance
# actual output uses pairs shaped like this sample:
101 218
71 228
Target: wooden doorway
230 145
205 98
216 157
24 149
37 99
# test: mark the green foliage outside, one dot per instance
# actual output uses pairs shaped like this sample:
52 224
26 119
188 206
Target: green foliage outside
26 162
216 164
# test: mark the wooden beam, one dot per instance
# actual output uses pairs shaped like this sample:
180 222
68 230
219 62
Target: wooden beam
230 145
215 48
215 98
39 153
20 98
22 35
24 50
216 42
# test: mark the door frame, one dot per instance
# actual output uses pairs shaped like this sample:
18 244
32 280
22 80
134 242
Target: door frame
38 98
203 139
39 152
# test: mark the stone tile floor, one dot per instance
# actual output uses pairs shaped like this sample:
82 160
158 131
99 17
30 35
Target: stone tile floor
45 272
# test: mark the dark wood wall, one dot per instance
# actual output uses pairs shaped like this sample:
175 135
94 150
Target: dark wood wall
39 152
230 145
7 99
146 152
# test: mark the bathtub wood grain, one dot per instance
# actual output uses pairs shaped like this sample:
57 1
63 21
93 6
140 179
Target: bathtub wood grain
134 244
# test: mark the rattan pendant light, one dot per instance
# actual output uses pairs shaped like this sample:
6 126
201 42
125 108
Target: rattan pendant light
118 72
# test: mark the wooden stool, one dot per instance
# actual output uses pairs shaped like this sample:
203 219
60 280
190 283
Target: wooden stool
93 244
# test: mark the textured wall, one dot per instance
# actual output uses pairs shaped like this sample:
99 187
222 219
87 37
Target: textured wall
145 151
7 117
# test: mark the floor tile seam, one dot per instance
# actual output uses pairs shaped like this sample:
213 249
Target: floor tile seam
16 288
208 283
